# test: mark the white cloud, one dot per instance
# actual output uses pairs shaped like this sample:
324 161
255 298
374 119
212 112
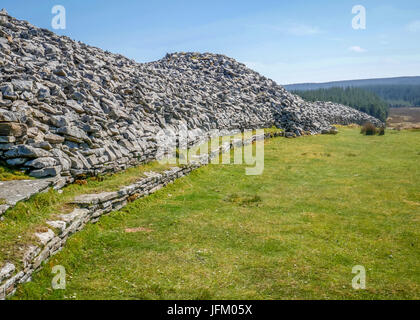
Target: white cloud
357 49
413 26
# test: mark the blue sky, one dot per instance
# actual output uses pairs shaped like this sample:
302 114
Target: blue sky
288 41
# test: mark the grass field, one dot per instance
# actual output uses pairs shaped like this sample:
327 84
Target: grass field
323 205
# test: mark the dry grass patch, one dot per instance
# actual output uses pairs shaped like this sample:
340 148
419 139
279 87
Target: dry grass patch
139 229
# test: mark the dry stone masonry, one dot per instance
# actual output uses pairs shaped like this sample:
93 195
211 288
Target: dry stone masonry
69 109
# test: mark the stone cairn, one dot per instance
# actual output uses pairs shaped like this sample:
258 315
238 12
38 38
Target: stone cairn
68 109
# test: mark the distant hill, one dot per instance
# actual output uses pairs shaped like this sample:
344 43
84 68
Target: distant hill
397 92
355 83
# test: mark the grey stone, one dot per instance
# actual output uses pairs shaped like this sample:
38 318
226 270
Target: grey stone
12 129
75 106
3 12
3 209
59 121
73 133
60 72
45 237
41 163
8 139
59 225
42 145
74 216
7 116
5 103
53 138
22 85
25 151
16 162
20 190
91 199
6 271
46 172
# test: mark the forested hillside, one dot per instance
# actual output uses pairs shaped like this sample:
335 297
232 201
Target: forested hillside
399 81
365 101
397 92
397 95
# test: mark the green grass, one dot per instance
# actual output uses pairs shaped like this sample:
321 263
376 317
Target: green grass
7 174
323 205
28 217
273 130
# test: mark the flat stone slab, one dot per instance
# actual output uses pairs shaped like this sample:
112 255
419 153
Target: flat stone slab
90 199
11 192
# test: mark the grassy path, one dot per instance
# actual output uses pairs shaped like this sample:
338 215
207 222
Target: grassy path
323 205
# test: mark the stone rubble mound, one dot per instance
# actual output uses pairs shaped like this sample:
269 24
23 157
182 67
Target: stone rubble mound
70 109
